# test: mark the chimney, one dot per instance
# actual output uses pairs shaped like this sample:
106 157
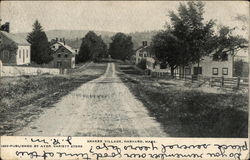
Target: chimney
63 41
7 25
144 43
56 39
60 39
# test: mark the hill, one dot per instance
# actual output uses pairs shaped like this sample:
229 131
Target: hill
73 37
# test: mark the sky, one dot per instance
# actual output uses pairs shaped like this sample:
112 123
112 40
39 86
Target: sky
115 16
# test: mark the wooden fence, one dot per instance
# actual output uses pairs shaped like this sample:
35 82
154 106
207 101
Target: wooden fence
223 82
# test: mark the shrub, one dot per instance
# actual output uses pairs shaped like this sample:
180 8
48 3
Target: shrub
142 64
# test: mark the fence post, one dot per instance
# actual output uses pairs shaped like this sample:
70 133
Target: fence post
238 83
1 68
210 81
222 81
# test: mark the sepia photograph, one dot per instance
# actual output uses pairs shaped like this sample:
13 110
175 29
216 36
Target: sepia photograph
124 68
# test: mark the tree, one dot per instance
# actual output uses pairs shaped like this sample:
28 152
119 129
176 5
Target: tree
238 68
92 48
226 43
40 49
121 46
168 49
189 27
188 38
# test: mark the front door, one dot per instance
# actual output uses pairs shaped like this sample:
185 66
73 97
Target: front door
59 64
197 70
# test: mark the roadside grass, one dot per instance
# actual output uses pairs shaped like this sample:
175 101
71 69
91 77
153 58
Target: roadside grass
23 98
185 112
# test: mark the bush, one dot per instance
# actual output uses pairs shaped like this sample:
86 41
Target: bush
142 64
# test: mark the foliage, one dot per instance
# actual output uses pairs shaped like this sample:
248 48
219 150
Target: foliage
189 27
241 68
10 47
226 43
142 64
121 46
167 48
40 49
92 48
188 38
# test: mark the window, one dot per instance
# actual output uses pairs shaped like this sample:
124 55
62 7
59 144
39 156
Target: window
27 53
66 56
20 54
187 71
59 55
197 70
215 71
224 71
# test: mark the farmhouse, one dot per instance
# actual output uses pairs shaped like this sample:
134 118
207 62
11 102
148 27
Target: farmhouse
211 67
142 52
208 66
63 55
14 50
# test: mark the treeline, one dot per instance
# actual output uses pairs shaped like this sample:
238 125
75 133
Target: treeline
93 47
188 38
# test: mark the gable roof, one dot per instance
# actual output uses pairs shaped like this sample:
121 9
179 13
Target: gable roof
15 38
66 47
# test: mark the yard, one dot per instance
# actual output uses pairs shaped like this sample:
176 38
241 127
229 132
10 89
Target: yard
189 112
23 98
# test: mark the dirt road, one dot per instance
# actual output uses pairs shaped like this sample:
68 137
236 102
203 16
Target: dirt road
101 107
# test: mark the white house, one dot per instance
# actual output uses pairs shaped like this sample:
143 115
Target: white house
142 52
14 50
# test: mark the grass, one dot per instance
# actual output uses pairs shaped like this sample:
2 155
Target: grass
189 112
23 98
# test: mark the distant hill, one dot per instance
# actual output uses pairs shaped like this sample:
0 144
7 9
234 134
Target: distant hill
73 37
69 34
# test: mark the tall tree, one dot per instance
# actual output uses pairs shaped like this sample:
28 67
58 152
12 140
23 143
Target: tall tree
188 26
168 49
121 46
40 50
92 48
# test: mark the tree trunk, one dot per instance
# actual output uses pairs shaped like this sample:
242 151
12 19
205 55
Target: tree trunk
172 71
183 71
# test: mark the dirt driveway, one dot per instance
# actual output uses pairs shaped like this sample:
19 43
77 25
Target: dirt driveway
101 107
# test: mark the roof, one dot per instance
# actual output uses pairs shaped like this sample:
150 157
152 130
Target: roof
143 48
15 38
67 47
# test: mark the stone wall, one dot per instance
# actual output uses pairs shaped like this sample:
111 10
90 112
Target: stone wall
18 71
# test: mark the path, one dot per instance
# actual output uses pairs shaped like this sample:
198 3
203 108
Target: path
101 107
